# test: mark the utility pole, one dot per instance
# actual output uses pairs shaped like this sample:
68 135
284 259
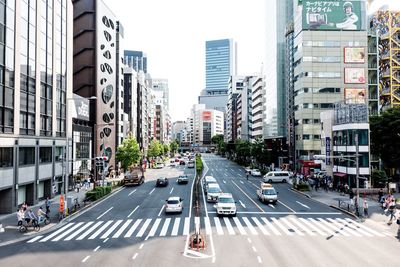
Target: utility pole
357 173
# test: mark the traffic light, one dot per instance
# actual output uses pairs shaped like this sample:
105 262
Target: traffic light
99 161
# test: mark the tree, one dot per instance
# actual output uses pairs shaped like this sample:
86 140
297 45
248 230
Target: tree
166 148
174 146
128 153
259 151
385 137
154 149
379 177
243 150
217 139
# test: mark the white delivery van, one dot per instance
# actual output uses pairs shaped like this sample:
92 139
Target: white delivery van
276 176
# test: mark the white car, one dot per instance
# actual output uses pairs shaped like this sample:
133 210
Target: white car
226 205
174 204
255 172
213 191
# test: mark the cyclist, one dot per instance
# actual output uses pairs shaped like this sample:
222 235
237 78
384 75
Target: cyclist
20 216
41 214
30 217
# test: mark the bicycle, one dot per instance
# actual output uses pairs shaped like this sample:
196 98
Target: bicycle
23 228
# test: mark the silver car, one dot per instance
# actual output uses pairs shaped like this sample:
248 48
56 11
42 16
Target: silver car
174 204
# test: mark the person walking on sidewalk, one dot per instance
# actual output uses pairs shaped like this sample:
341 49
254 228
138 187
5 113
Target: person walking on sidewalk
380 195
392 211
47 204
398 227
351 195
365 207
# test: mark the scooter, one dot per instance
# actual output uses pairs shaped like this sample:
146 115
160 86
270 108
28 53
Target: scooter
44 219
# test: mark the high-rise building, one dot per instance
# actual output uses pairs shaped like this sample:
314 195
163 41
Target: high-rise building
235 87
131 106
35 124
244 110
257 108
329 66
220 65
137 60
206 124
161 86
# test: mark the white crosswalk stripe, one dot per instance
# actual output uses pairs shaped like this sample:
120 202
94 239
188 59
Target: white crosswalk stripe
268 226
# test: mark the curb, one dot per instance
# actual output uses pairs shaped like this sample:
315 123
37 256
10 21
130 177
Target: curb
302 193
344 211
62 222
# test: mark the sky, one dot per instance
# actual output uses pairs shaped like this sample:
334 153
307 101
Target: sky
173 34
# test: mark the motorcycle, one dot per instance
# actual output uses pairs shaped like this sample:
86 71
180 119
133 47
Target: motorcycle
44 219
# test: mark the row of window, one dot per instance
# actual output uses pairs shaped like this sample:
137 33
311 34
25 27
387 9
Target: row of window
314 105
347 137
326 59
324 90
363 161
308 137
317 74
27 155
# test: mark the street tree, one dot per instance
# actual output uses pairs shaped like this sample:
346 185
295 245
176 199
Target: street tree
385 137
128 153
217 139
243 150
166 148
174 147
154 149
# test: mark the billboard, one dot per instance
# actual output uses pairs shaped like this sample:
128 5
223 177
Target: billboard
81 108
206 115
355 95
354 75
332 15
354 55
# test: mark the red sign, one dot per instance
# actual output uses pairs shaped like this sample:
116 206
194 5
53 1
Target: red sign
206 115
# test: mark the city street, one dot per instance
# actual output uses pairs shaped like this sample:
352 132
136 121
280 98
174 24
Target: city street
130 228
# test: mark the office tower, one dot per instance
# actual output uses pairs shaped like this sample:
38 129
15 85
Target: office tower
137 60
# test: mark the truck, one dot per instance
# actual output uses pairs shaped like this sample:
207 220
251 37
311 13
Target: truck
267 194
134 176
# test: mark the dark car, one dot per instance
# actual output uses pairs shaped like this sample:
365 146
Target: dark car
182 179
162 181
182 162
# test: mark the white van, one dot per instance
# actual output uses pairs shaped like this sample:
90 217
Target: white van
276 176
208 180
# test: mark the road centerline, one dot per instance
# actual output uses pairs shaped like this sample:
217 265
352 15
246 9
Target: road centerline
248 197
104 213
132 211
152 191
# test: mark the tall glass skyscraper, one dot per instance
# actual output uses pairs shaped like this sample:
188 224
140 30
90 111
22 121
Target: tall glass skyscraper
137 60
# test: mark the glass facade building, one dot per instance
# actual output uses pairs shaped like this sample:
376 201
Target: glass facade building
137 60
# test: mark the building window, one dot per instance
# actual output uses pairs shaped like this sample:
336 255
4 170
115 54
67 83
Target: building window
26 156
58 153
306 137
45 155
6 157
317 137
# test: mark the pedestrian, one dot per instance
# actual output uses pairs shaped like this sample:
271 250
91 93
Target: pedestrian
20 216
24 206
351 195
365 207
380 195
392 211
47 203
398 225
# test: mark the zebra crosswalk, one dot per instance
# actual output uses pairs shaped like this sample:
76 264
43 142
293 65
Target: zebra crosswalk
161 227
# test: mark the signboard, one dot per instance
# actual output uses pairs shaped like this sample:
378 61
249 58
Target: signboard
206 115
354 75
332 15
354 55
81 108
328 150
354 95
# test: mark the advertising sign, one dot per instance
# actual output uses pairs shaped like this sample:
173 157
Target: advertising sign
355 96
354 55
328 150
206 115
81 108
354 75
332 15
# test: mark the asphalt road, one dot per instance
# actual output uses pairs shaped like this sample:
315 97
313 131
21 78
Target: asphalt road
130 228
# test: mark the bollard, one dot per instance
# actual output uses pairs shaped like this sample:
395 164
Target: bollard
1 228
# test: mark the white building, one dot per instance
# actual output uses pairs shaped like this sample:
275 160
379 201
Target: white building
258 108
206 124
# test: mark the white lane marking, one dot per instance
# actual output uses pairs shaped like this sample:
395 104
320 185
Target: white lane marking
141 246
317 226
303 205
239 226
98 232
343 227
104 213
133 191
229 226
115 225
347 224
208 225
78 231
281 226
154 228
144 227
259 259
249 240
170 192
152 191
364 227
250 226
132 212
289 208
294 228
86 258
163 206
186 226
254 249
336 230
91 229
218 226
56 232
105 240
133 228
67 232
176 227
248 197
96 249
241 203
165 227
272 206
35 239
120 230
305 229
260 226
224 181
226 174
241 182
134 256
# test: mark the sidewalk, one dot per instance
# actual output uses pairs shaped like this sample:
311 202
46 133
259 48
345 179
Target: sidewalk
375 213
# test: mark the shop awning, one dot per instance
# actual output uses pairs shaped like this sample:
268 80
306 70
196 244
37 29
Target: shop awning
340 174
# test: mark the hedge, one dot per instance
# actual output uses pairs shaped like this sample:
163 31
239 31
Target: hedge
199 164
98 192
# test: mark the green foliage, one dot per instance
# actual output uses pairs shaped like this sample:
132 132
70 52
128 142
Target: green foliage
166 148
302 186
385 139
243 151
174 146
128 153
219 141
378 176
98 192
199 164
154 149
216 139
259 152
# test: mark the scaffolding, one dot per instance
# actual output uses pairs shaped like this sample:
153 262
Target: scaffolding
387 25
